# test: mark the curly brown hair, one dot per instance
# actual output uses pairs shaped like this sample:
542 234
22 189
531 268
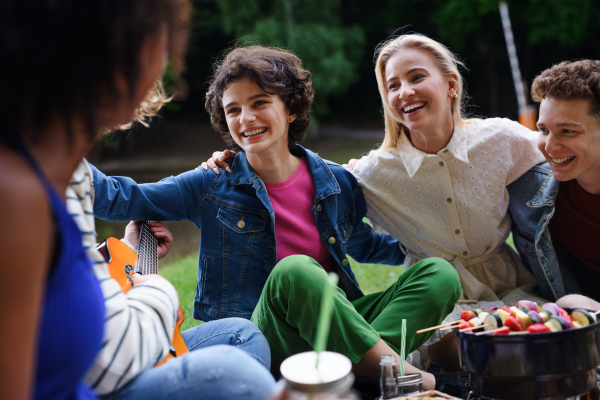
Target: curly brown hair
64 56
570 80
277 72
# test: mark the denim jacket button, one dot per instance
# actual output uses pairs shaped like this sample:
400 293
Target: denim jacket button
331 240
319 208
345 262
241 224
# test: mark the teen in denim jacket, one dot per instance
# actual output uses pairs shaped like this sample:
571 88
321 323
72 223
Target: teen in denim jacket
279 200
555 207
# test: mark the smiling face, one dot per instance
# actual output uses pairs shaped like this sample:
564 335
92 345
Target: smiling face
418 93
257 121
570 141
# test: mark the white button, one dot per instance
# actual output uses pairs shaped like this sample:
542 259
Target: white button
345 262
241 224
319 208
331 240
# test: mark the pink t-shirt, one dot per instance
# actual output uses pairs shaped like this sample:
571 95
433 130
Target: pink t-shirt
295 229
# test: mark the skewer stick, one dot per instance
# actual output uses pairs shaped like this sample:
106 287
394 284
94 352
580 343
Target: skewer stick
447 328
519 333
597 312
474 327
491 331
438 326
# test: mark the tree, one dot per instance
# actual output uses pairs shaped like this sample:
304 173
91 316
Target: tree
312 29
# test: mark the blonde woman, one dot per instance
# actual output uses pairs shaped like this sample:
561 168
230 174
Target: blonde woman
438 181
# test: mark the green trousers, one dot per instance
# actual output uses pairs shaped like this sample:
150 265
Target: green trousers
288 309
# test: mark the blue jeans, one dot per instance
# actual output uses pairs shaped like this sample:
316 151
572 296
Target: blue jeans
228 359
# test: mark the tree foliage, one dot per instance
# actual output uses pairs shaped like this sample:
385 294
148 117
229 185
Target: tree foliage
336 39
311 29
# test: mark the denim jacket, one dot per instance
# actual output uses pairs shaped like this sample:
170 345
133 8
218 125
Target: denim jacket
237 243
531 207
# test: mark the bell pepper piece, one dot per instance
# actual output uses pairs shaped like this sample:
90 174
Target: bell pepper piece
538 328
513 324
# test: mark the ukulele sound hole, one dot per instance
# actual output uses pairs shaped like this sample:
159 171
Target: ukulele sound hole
128 270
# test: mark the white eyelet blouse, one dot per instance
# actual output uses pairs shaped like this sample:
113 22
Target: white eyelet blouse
453 204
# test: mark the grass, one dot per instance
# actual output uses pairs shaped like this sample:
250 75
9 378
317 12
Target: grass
183 275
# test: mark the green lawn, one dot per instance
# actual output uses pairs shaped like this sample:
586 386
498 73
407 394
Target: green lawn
182 274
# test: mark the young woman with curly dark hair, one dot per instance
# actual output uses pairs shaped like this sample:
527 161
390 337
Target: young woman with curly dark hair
72 70
76 69
279 220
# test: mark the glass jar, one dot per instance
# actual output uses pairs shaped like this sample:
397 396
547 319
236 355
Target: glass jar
409 384
332 379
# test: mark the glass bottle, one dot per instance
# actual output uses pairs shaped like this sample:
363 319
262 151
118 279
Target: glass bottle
388 378
409 384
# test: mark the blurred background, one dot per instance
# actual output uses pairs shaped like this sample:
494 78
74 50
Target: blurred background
336 40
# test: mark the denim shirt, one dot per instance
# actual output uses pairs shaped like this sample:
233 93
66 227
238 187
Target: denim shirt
237 244
532 198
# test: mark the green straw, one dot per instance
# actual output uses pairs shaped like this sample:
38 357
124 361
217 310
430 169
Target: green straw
402 346
325 314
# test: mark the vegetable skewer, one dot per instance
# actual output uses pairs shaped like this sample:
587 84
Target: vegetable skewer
438 326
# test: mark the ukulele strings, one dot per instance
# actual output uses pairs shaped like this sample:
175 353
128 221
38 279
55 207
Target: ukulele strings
147 257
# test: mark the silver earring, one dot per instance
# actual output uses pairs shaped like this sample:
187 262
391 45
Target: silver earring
291 119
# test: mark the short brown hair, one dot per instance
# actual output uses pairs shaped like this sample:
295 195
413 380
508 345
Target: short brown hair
277 72
570 80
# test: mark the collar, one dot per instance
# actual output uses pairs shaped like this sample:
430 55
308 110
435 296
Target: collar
324 180
548 191
412 158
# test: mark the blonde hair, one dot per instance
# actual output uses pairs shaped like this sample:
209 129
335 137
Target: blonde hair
150 106
446 61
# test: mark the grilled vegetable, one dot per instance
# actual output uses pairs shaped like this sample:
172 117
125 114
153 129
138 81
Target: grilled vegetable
538 328
493 320
556 324
512 323
467 315
551 308
582 318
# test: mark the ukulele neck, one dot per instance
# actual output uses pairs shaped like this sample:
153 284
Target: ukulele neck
147 262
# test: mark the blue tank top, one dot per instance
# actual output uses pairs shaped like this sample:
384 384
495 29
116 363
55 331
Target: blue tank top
72 315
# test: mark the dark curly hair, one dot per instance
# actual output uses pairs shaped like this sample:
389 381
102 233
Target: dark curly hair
277 72
62 57
570 80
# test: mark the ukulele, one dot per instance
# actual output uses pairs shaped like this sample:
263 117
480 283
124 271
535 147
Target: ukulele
123 262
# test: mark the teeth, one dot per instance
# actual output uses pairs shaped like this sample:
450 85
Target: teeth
254 132
562 160
413 106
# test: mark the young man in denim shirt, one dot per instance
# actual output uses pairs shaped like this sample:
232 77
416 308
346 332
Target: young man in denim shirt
555 207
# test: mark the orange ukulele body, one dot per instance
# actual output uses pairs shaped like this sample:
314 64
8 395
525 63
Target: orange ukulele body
120 255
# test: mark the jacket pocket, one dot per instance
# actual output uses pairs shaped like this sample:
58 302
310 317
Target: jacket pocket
205 283
240 230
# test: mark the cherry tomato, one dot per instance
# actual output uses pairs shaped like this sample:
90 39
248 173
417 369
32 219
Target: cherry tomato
463 324
538 328
513 324
467 315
